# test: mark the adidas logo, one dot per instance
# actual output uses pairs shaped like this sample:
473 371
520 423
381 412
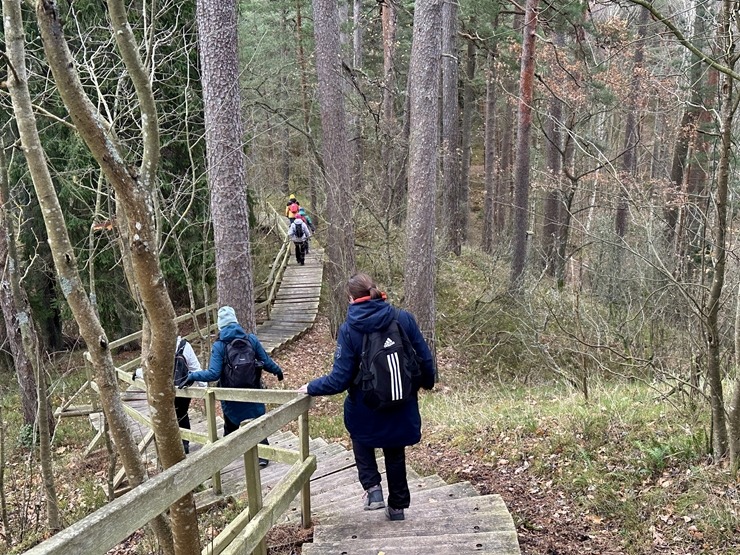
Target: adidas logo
388 343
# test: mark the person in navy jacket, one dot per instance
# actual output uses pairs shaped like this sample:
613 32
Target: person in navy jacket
391 430
235 412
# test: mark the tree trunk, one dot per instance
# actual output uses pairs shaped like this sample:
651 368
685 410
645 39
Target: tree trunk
17 315
719 248
357 146
450 132
553 198
335 149
521 167
469 108
389 147
687 129
423 140
490 156
219 59
631 132
134 190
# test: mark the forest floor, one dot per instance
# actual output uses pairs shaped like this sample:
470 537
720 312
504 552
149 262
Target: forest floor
547 522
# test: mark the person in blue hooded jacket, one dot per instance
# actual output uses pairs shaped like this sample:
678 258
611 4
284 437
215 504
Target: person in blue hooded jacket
235 412
391 430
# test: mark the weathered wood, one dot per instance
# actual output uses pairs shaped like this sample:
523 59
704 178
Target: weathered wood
105 528
493 543
276 502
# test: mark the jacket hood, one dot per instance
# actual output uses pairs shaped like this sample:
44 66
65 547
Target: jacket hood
371 315
232 331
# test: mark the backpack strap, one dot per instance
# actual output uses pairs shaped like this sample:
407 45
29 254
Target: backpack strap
181 346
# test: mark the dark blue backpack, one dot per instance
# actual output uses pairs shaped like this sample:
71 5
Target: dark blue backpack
240 368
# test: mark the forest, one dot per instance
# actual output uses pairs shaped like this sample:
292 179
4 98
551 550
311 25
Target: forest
547 185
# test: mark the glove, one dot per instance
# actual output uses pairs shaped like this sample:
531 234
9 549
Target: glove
280 376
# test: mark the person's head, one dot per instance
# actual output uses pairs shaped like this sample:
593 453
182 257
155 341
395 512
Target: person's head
302 211
291 197
226 316
362 285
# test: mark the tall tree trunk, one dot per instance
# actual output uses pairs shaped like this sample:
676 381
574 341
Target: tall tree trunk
688 125
219 60
134 190
423 140
719 249
553 198
358 155
469 108
17 315
450 132
335 148
631 133
60 244
490 156
389 147
521 168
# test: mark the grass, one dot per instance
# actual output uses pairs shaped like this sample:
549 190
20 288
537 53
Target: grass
624 455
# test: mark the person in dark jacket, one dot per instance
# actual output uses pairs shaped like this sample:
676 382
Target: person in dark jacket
390 430
235 412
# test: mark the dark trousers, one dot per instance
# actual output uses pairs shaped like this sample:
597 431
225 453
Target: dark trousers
183 420
300 252
399 496
229 427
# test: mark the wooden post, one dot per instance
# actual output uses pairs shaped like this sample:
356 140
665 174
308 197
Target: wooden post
213 433
254 490
306 489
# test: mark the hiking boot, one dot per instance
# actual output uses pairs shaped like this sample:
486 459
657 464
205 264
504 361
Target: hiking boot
394 514
263 462
374 499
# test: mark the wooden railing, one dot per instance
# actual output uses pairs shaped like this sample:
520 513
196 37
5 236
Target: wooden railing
111 524
105 528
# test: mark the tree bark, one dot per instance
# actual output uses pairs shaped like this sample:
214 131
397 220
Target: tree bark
335 148
631 131
469 108
217 29
17 315
389 147
450 132
719 248
423 140
490 153
521 168
134 190
553 198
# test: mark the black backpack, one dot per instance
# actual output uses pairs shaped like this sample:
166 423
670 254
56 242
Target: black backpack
181 365
298 230
240 368
390 372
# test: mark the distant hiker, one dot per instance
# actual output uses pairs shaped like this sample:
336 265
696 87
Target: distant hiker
402 363
299 234
186 362
291 208
307 219
237 360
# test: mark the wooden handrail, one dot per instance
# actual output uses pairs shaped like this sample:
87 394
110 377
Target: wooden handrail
111 524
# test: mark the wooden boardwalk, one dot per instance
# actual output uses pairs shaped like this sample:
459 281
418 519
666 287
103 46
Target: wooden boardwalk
444 519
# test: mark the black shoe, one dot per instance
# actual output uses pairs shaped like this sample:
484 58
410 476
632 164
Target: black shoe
263 462
394 514
186 447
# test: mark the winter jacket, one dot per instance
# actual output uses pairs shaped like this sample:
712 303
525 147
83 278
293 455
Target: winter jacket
395 428
306 232
236 411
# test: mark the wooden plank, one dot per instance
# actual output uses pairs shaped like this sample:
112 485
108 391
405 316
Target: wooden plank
492 543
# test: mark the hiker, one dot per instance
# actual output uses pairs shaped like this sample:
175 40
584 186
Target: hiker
299 234
292 208
391 429
307 220
222 365
186 361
